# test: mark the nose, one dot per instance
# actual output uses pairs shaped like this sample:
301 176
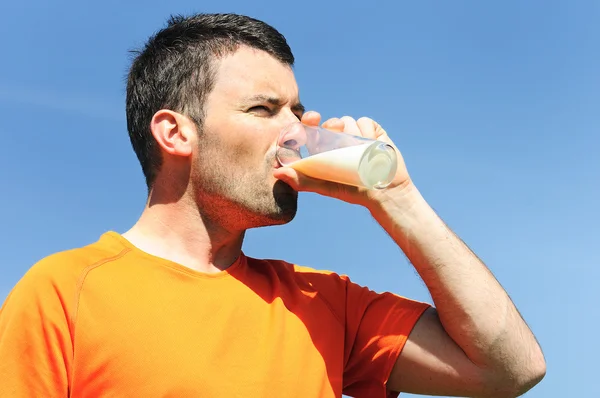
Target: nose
292 139
293 136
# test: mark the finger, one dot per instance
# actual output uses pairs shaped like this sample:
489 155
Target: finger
311 118
370 128
350 126
334 124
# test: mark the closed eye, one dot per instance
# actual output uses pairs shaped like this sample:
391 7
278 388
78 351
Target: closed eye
260 108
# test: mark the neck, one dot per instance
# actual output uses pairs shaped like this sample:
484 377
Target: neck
179 232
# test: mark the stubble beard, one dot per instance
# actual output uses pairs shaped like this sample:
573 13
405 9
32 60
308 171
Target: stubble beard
247 200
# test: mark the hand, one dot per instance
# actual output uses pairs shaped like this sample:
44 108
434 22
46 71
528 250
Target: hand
362 127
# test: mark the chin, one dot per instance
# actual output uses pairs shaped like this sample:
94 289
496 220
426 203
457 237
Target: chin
284 217
255 208
281 209
286 200
283 213
271 219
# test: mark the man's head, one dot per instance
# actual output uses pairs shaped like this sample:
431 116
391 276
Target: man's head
220 86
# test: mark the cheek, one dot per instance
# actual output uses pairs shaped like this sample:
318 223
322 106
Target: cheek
239 160
251 148
243 142
241 157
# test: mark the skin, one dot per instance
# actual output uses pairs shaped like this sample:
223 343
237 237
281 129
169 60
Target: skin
216 184
473 343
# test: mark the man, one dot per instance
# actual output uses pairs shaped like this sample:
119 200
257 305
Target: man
174 308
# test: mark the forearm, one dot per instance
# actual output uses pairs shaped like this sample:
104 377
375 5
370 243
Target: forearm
473 307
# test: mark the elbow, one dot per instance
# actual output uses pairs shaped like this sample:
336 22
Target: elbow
533 372
530 379
519 381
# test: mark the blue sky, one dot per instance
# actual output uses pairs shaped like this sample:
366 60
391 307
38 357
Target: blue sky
495 106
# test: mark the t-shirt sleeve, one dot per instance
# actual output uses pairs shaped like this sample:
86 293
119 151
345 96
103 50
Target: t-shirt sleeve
377 327
35 343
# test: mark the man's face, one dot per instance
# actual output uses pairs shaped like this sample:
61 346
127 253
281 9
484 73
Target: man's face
254 96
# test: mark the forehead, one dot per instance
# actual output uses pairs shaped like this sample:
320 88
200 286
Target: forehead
249 71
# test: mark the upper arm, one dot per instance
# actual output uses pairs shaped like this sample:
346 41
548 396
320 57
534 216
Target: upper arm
376 327
35 344
432 363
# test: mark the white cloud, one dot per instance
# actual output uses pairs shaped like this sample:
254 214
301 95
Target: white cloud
63 101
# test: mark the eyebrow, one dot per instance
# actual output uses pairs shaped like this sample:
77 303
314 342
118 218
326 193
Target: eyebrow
298 107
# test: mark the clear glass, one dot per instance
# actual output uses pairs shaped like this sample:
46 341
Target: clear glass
338 157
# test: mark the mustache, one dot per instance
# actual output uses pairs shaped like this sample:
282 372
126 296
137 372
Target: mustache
271 157
280 156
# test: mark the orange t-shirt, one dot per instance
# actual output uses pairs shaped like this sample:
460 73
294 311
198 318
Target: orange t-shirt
108 320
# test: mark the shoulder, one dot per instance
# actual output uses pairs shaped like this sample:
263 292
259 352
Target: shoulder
318 278
59 273
329 286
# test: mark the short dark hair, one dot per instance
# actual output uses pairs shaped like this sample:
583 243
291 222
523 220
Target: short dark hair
174 71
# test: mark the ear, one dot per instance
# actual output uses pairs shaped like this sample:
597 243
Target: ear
173 132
